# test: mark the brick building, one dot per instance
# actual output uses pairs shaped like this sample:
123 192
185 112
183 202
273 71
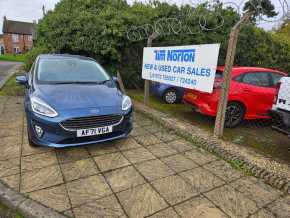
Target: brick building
17 36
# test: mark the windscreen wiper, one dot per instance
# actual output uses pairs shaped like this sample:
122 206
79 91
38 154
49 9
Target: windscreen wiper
103 82
76 82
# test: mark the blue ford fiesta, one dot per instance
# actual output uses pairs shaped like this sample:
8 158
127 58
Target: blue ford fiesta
71 101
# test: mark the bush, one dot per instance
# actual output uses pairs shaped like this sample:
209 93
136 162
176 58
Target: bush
98 29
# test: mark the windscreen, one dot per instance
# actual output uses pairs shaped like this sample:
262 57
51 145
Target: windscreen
66 70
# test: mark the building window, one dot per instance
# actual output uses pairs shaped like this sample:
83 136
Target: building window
16 50
30 38
2 50
15 38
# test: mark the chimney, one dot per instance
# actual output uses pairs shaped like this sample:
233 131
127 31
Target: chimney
43 10
34 31
4 24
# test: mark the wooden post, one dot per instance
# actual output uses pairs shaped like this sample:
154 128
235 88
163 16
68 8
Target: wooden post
221 114
122 87
147 82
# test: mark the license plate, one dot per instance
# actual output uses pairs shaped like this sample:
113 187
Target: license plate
94 131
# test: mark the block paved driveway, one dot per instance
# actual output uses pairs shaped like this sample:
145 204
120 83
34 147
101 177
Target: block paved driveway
152 173
5 66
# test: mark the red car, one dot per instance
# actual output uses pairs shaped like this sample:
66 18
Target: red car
251 95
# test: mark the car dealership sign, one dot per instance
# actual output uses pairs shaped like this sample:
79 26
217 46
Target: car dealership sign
191 66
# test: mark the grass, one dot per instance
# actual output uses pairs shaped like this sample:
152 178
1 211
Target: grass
11 88
251 134
6 212
7 57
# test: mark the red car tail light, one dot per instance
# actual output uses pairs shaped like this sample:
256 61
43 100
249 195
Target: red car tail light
277 92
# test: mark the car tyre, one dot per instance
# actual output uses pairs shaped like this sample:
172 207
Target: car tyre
170 96
30 142
234 114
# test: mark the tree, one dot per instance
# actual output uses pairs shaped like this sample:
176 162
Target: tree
98 29
261 7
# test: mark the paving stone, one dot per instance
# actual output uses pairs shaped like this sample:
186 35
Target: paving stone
161 150
124 178
167 213
38 161
10 129
29 150
11 118
40 178
101 149
69 213
85 190
232 202
281 207
54 197
174 189
105 207
12 181
201 179
259 192
141 201
180 145
147 140
166 136
144 122
9 167
138 155
111 161
223 170
78 169
126 144
154 169
179 163
71 154
154 128
262 214
138 131
199 207
10 147
200 156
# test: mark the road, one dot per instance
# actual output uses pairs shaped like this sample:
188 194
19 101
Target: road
5 69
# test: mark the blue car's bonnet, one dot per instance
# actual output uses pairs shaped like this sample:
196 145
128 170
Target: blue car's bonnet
79 96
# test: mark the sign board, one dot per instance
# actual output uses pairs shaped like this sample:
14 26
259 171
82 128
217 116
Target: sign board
191 66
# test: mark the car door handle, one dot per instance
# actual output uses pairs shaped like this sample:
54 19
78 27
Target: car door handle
247 90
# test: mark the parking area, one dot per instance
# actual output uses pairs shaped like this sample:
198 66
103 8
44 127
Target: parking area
257 134
152 173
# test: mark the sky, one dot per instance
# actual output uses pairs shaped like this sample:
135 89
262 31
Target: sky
29 10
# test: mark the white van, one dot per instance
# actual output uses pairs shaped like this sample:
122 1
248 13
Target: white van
281 107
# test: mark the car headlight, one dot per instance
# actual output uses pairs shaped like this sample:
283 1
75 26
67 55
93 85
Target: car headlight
126 103
40 107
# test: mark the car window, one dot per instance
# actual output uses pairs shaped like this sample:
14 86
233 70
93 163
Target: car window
58 70
239 78
257 79
276 78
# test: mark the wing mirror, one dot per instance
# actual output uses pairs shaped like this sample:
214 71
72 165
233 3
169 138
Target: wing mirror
22 80
115 79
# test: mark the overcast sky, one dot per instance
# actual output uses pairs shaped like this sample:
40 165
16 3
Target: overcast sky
29 10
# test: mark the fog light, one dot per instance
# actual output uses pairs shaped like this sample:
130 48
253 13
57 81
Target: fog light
39 131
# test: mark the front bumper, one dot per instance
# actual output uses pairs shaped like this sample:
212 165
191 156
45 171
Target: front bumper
281 120
56 136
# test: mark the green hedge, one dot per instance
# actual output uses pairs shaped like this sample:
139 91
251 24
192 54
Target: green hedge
98 29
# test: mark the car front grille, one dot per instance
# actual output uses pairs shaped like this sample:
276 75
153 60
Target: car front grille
91 122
